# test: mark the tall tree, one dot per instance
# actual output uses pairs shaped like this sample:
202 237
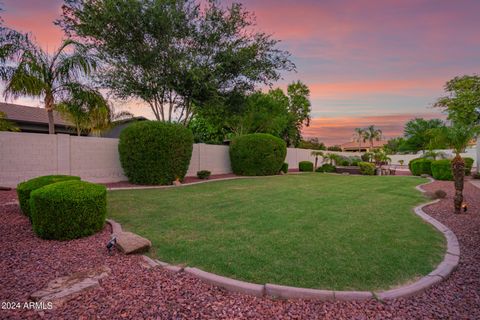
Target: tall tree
418 133
371 134
30 71
299 108
462 105
175 55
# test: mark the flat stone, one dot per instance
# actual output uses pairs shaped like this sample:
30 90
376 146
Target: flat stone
353 295
65 288
227 283
130 243
410 290
285 292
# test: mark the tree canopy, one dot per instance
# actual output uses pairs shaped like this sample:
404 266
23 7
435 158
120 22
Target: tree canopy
175 55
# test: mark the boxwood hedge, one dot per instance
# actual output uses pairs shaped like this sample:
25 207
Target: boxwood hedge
24 189
257 154
442 169
327 167
154 152
367 168
305 166
68 210
421 166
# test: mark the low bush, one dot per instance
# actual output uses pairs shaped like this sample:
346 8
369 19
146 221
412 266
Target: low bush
344 161
440 194
68 210
284 168
203 174
326 168
24 189
355 160
442 169
367 168
305 166
411 162
468 165
257 154
476 175
154 152
421 166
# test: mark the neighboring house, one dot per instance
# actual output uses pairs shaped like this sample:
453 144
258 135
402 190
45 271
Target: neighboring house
31 119
354 146
119 125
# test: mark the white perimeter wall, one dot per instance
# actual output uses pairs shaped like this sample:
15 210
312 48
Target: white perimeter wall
27 155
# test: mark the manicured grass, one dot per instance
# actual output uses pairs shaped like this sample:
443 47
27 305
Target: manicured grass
310 230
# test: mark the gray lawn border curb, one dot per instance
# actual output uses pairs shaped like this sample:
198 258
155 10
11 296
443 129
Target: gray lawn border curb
442 271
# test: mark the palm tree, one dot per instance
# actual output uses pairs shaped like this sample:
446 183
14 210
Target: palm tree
30 71
457 137
331 158
6 125
359 133
317 154
371 134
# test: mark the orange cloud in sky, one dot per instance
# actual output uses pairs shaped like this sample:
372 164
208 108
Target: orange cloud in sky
338 130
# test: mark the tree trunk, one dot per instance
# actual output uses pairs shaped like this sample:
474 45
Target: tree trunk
49 108
316 161
458 169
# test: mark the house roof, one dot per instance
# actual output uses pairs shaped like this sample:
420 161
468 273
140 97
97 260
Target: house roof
19 113
366 144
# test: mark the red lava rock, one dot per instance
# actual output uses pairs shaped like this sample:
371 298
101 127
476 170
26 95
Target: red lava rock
28 263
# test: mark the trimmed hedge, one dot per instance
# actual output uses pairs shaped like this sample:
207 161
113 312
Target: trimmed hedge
411 162
468 165
203 174
24 189
284 168
442 169
367 168
421 166
305 166
327 167
154 152
257 154
68 210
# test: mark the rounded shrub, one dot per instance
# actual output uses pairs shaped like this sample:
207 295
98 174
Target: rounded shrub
468 165
442 169
68 210
305 166
284 168
257 154
421 166
411 162
327 167
367 168
24 189
154 152
203 174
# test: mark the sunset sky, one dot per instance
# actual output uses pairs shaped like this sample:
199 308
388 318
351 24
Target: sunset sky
365 61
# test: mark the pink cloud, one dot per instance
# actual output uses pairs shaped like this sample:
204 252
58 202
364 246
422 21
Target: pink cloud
338 130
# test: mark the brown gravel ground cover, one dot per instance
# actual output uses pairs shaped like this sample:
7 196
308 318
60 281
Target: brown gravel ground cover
134 292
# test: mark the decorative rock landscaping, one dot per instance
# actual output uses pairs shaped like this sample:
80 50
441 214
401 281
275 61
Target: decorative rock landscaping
28 263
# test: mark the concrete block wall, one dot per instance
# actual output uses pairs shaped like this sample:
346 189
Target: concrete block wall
27 155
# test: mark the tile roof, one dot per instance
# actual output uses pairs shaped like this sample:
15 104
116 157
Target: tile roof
19 113
354 144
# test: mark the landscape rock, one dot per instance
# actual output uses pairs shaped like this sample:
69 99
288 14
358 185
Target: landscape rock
130 243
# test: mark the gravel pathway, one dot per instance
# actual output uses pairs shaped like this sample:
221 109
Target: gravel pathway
134 292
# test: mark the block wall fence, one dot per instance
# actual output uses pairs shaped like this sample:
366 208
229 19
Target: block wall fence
27 155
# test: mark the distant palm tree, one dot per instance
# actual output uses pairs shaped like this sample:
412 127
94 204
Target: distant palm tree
331 158
30 71
317 154
371 134
359 133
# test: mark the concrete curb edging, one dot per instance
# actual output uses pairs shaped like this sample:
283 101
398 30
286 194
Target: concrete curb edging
443 270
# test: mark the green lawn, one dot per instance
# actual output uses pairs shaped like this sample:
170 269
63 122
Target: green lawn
310 230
